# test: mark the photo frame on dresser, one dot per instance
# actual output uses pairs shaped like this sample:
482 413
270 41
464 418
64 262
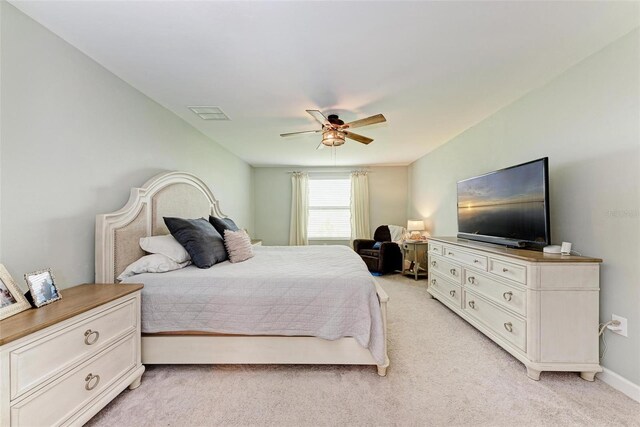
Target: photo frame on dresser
12 301
42 287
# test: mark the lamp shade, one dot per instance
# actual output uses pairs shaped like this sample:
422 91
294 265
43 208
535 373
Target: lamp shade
333 138
415 225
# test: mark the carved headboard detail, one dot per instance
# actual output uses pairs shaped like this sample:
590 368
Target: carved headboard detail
177 194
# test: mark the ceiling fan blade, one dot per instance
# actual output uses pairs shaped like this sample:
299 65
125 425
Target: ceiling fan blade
300 133
378 118
317 114
356 137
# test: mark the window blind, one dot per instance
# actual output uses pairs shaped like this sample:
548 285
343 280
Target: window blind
329 209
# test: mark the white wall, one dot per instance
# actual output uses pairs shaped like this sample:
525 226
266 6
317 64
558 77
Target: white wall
2 3
272 189
75 139
388 194
587 121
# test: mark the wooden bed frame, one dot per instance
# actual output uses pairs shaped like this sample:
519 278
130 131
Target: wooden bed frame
181 194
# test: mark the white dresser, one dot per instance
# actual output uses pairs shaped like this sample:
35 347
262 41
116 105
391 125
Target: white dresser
60 364
541 308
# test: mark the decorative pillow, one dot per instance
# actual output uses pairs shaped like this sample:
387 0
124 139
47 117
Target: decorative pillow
397 232
203 243
377 245
222 224
238 245
154 263
166 245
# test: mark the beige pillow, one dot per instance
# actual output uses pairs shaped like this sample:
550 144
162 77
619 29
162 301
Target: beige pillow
238 245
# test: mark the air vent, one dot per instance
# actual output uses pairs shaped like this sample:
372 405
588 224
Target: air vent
210 113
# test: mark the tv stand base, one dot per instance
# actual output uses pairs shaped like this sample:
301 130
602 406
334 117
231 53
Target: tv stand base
541 308
588 376
533 374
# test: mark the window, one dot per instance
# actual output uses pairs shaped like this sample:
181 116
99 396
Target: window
329 209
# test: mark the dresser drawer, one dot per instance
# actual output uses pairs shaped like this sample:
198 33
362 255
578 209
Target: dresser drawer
65 396
502 294
446 268
435 248
507 325
517 273
448 290
34 363
468 258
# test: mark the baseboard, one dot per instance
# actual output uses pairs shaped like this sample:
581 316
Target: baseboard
620 383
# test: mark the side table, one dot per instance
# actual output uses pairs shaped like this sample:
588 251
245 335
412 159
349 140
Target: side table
419 249
67 360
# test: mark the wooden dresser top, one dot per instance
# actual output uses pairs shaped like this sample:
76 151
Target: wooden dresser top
523 254
75 300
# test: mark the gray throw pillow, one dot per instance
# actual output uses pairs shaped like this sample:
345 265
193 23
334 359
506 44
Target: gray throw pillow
203 243
222 224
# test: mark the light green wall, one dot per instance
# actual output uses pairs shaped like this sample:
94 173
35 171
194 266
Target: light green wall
587 121
75 139
272 189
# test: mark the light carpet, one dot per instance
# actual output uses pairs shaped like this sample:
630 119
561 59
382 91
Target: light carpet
443 372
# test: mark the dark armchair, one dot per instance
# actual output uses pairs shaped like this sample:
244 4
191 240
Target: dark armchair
384 259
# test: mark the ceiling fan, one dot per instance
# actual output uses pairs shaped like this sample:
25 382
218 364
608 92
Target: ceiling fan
334 131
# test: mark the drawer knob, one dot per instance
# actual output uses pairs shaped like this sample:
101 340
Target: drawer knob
508 326
452 293
451 253
472 304
453 271
89 383
88 334
434 249
471 280
504 270
476 261
507 295
433 281
433 263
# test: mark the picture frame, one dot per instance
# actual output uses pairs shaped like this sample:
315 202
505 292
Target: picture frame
42 287
12 301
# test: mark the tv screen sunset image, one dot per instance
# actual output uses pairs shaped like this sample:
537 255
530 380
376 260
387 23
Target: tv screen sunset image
509 203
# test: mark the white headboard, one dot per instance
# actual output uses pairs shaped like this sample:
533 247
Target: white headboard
176 194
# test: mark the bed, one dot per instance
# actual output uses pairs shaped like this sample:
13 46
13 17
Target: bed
284 306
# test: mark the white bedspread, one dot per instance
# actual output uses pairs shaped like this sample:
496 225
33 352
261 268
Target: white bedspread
321 291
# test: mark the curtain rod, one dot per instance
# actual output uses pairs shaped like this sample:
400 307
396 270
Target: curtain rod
330 170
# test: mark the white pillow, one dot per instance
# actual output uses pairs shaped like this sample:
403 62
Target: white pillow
238 245
166 245
397 232
154 263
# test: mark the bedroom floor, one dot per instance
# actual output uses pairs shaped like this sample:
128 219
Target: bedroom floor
443 372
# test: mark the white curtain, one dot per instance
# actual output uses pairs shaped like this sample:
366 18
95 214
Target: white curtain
360 206
299 209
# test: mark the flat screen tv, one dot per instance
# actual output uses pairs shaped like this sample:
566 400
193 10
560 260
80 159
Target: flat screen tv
508 207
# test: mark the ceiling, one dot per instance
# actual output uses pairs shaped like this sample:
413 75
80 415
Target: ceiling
434 69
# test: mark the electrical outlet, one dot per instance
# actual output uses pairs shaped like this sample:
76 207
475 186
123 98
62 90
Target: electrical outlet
620 329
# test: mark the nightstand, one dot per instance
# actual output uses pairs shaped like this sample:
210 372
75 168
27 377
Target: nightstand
418 249
256 242
63 362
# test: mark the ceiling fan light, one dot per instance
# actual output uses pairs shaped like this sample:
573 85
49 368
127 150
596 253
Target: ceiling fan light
333 138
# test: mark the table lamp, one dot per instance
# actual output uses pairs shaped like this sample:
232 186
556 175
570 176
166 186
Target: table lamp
415 227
